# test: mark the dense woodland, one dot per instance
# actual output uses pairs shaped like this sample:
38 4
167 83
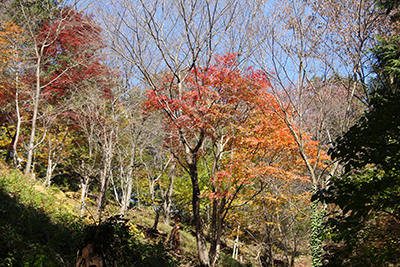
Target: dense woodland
267 131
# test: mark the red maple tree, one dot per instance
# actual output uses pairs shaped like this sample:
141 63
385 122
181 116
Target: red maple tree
225 116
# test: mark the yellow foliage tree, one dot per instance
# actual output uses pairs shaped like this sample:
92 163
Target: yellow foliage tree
11 36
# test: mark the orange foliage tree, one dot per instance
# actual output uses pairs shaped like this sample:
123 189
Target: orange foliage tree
9 34
267 157
215 115
10 85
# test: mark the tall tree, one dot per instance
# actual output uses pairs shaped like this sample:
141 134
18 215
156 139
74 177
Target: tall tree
11 43
199 110
217 118
64 44
97 115
364 227
173 37
302 40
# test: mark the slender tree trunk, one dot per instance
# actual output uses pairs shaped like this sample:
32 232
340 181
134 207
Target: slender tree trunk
316 232
49 171
157 218
54 158
31 143
218 206
166 204
103 189
106 174
84 192
294 250
168 193
16 161
105 178
127 191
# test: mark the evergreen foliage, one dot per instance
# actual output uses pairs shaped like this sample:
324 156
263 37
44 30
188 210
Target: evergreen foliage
316 234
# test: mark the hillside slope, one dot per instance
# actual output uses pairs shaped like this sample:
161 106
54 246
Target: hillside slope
40 227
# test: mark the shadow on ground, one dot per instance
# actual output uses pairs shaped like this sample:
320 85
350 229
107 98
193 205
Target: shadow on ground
28 237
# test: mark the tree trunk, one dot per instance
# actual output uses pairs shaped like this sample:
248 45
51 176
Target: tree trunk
84 192
316 232
166 201
200 240
108 150
103 191
49 171
126 195
18 128
157 218
31 143
216 230
54 158
168 195
104 181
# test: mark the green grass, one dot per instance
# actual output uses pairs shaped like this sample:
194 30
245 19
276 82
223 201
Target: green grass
42 227
36 228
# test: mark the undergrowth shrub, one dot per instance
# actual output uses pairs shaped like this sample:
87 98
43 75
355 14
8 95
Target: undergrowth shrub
118 242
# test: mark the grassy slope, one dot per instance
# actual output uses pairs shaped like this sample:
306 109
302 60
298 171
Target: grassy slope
37 227
41 227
